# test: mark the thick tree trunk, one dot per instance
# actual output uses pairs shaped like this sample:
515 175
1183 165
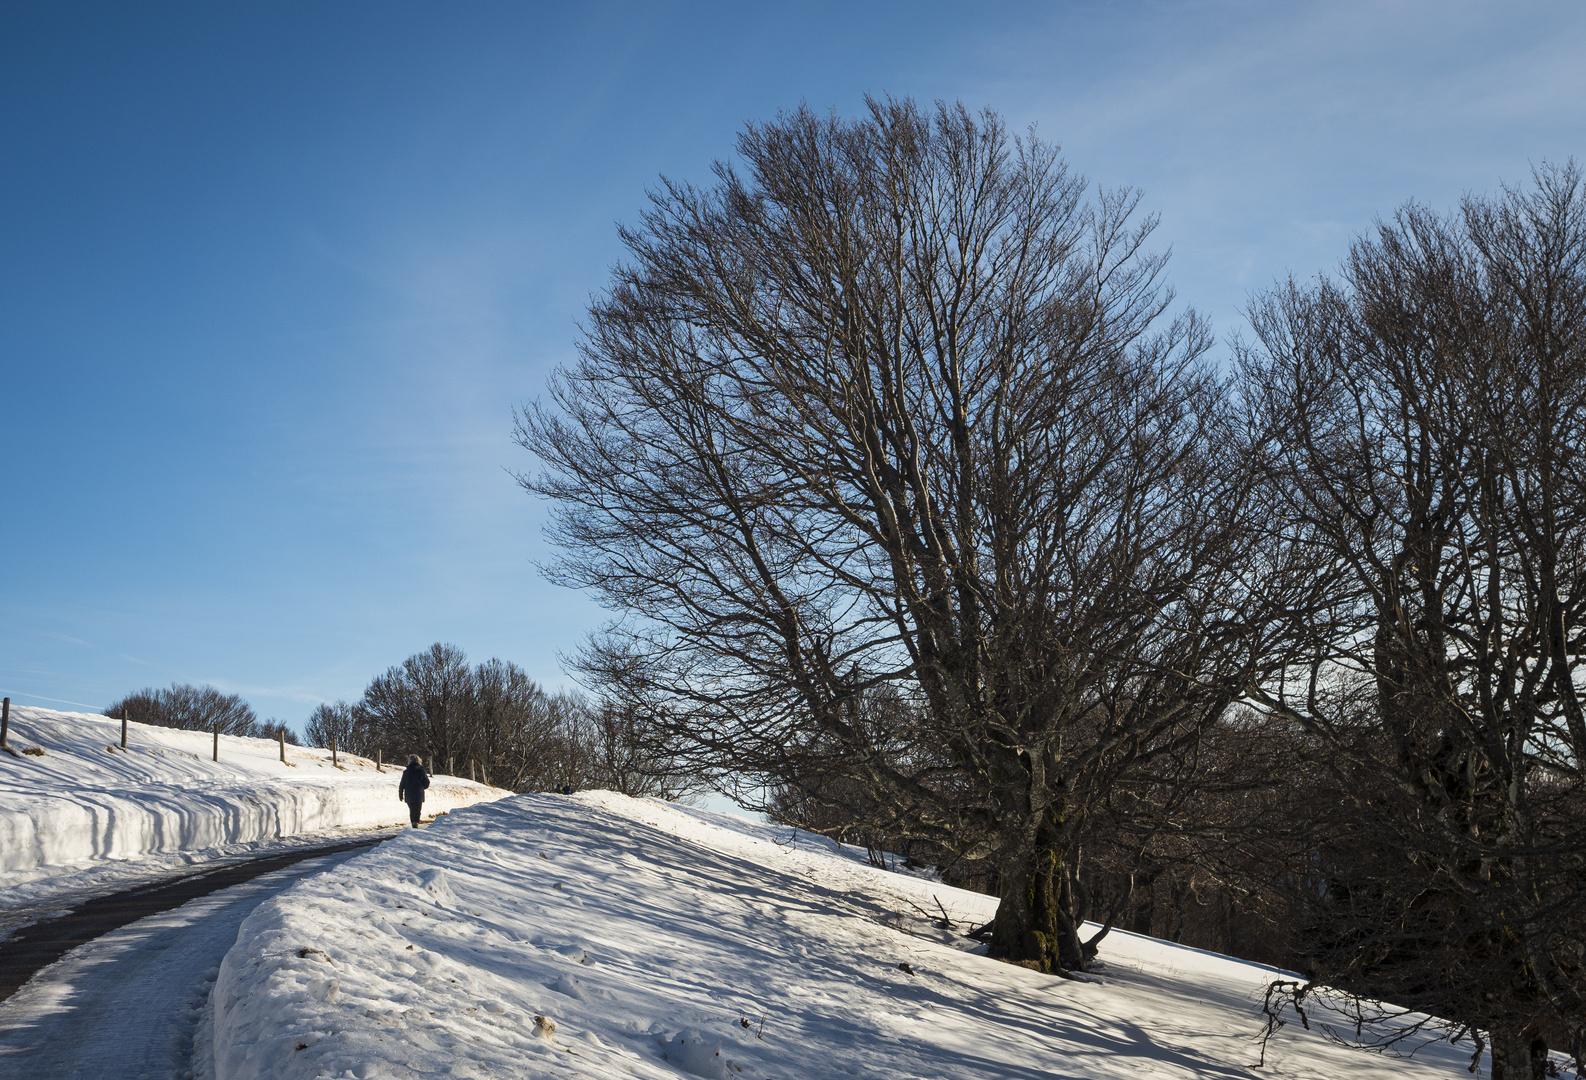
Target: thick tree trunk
1518 1056
1027 926
1032 925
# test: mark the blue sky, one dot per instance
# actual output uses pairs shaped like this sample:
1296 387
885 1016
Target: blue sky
274 276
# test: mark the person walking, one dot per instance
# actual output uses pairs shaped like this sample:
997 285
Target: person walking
411 789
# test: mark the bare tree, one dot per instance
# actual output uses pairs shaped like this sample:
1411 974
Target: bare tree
1424 424
633 755
420 706
900 409
275 729
507 720
492 718
528 739
339 725
194 708
1212 847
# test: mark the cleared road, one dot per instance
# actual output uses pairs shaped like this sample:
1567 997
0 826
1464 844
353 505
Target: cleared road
45 942
127 1004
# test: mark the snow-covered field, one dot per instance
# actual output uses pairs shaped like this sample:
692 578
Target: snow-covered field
601 936
85 816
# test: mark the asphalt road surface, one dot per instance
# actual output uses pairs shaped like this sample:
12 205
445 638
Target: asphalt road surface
125 978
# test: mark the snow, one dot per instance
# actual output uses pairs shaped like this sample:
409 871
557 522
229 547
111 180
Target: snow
601 936
134 1001
87 817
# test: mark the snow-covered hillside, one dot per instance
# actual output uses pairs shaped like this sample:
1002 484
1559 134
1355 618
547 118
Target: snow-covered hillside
663 942
84 812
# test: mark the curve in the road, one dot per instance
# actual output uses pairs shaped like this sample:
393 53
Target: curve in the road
37 946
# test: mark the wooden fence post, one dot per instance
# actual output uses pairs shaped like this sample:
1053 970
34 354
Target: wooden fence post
333 760
282 734
377 766
123 727
471 777
217 740
5 722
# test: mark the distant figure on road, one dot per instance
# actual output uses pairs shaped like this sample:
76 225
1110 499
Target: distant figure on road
414 781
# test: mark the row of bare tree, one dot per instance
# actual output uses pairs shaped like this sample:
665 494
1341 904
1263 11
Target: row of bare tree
494 723
930 522
197 708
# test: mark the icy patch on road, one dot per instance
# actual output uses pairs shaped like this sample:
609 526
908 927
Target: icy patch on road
600 936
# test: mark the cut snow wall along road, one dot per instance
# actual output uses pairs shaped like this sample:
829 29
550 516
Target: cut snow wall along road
85 800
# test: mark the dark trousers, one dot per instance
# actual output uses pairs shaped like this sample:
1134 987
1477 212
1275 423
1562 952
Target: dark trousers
414 809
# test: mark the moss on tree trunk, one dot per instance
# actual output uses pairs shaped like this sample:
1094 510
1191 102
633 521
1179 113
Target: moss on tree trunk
1033 925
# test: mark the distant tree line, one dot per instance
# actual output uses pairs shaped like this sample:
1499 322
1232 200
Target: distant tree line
931 526
490 720
197 708
493 722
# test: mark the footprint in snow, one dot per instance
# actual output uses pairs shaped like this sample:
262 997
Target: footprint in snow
576 952
434 882
693 1053
573 988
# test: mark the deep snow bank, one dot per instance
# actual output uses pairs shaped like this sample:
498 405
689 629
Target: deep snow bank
659 943
86 801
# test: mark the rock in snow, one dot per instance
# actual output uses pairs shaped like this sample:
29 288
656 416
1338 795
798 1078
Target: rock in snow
657 941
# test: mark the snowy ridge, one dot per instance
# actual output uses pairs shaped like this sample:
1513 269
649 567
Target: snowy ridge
600 936
85 803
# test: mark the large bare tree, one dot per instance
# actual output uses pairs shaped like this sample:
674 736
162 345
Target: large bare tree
1426 416
422 706
908 488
